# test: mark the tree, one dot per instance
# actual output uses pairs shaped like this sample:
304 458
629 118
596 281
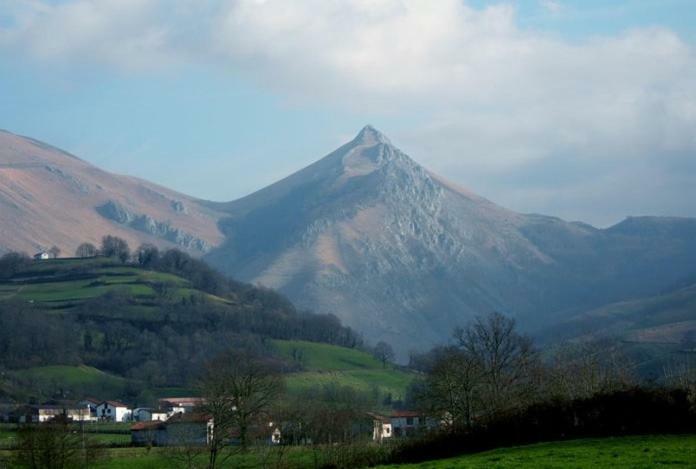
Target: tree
54 445
54 252
454 388
239 388
13 262
113 246
383 352
507 360
85 250
582 370
147 255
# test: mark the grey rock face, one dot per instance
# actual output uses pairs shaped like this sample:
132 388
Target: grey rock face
404 256
145 223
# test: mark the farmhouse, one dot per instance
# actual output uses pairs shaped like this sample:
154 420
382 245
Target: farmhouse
397 424
113 411
42 256
181 429
45 413
174 405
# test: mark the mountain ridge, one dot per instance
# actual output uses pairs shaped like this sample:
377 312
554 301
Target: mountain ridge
365 233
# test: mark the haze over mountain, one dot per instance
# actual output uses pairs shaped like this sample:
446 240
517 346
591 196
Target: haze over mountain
49 197
403 255
365 233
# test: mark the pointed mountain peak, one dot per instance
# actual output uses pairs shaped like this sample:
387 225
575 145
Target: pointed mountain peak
370 136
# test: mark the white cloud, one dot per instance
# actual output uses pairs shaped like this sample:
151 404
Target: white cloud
491 97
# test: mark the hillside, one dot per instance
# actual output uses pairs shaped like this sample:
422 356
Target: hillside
120 330
402 255
49 197
325 364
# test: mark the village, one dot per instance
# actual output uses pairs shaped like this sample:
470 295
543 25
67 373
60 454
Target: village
182 421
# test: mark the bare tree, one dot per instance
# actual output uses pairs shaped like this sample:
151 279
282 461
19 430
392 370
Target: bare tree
507 359
54 252
147 255
113 246
383 352
239 389
584 369
85 250
454 388
54 445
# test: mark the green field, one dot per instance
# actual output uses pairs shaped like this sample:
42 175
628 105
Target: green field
328 364
625 452
68 283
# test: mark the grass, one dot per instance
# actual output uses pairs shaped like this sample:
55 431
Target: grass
71 375
328 364
605 453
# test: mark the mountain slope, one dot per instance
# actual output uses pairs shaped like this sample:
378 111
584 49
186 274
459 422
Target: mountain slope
49 197
402 255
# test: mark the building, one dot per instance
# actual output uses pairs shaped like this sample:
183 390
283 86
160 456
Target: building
91 404
397 424
181 429
42 256
46 413
174 405
113 411
147 414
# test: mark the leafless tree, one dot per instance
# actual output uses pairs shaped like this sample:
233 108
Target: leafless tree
506 358
85 250
454 388
583 369
383 352
54 252
116 247
239 389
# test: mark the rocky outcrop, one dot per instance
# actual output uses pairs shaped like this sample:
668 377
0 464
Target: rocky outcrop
116 212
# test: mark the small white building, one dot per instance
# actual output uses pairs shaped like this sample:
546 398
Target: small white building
42 256
113 411
46 413
146 414
397 424
180 405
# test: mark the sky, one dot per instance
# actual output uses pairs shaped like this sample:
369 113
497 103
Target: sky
582 109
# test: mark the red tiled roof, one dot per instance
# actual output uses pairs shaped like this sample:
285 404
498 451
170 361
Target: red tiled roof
180 417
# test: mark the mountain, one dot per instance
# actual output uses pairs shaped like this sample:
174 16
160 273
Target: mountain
403 255
365 233
49 197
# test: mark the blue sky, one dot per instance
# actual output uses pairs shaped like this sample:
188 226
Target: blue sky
580 109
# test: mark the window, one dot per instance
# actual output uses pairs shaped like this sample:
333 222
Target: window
409 420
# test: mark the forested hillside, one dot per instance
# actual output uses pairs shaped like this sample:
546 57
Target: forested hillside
128 327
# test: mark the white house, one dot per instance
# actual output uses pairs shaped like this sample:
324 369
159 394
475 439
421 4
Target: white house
113 411
183 405
90 404
399 423
45 413
42 256
146 414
